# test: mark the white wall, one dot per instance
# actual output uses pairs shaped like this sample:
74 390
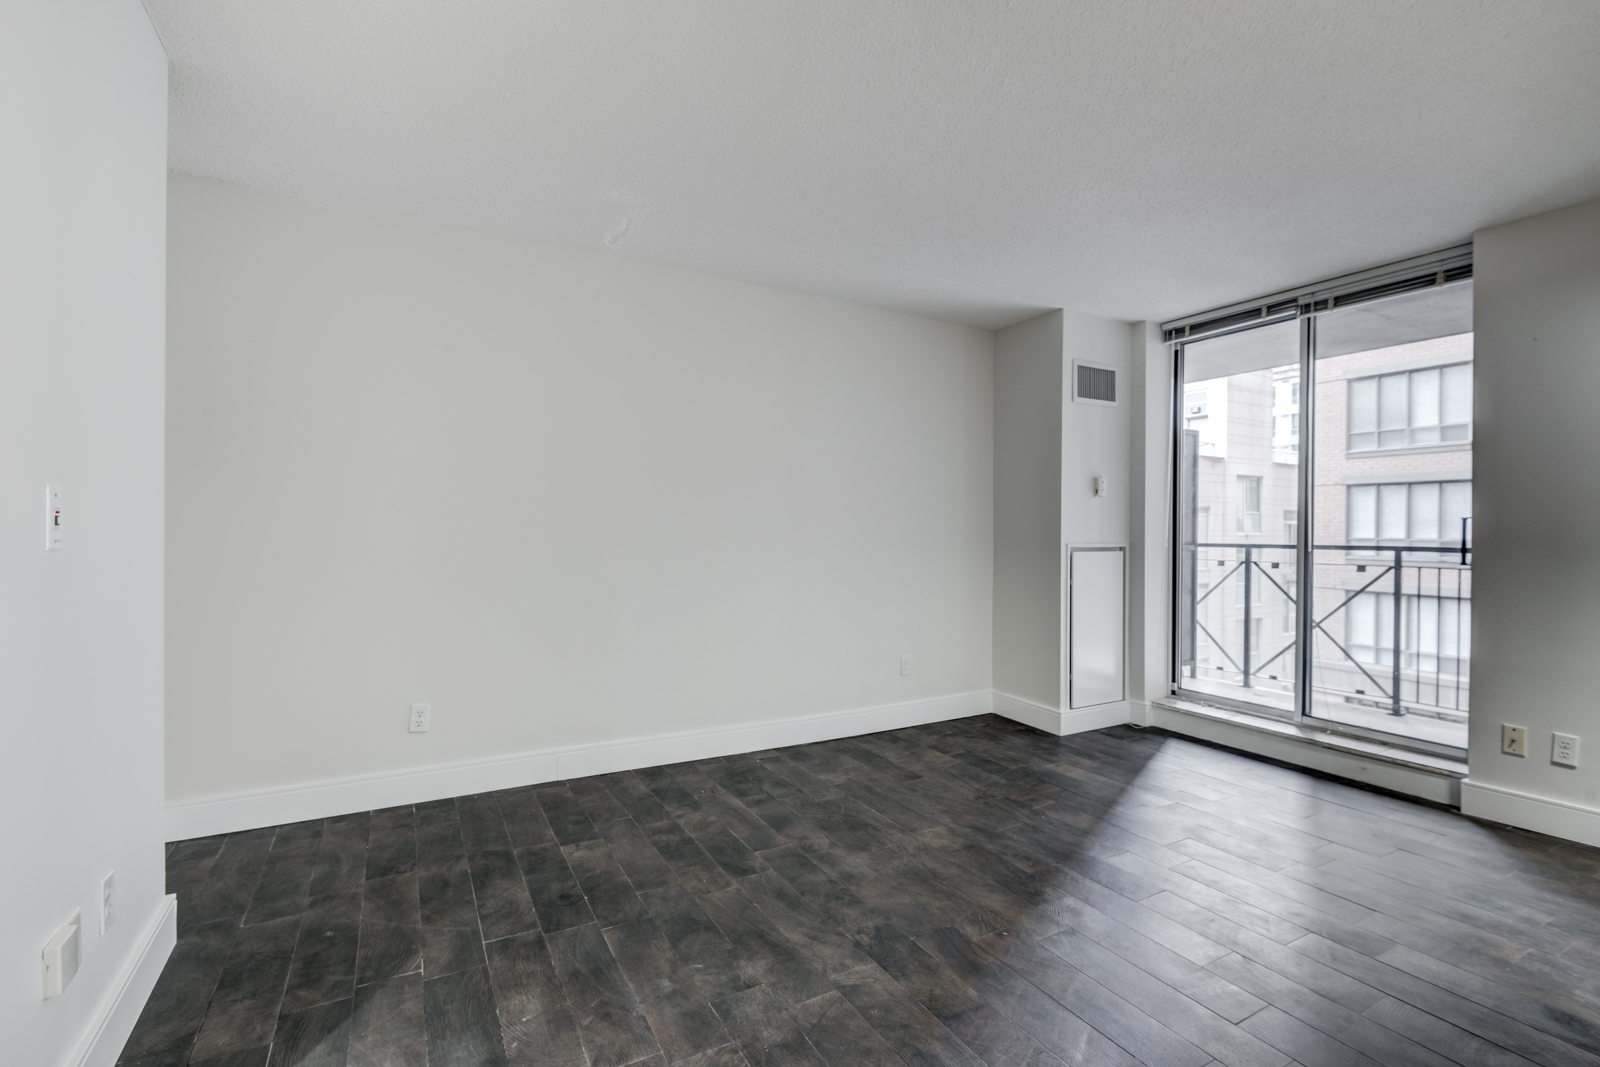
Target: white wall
1536 503
1027 513
564 498
1149 518
1095 438
1048 450
83 99
1095 442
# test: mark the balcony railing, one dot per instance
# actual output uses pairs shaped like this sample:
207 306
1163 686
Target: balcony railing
1412 602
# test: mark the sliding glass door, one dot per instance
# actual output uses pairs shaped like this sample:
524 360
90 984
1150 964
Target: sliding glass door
1239 516
1391 589
1324 508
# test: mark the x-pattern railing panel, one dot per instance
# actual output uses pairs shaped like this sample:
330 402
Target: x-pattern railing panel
1251 566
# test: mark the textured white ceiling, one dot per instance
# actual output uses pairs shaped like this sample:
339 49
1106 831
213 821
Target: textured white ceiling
976 161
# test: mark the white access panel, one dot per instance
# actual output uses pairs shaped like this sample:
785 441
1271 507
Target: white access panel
1095 624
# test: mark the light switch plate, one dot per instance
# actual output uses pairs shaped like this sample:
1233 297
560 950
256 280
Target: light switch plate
52 518
1513 740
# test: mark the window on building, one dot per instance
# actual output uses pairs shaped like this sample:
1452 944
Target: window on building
1435 632
1431 513
1410 409
1291 526
1249 515
1286 417
1198 415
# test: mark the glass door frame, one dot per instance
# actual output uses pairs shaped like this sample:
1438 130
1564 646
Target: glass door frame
1307 304
1302 534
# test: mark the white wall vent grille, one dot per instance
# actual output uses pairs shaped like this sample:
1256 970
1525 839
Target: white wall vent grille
1094 383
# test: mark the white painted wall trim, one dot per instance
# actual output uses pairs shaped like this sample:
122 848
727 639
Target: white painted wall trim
1496 803
113 1023
1028 713
1098 717
1061 723
319 800
1353 758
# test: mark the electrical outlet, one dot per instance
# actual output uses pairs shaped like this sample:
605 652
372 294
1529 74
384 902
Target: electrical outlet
59 960
905 664
1513 740
108 911
1564 750
419 717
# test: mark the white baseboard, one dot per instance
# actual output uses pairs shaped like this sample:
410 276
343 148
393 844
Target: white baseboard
114 1021
1557 818
320 800
1060 723
1028 713
1081 720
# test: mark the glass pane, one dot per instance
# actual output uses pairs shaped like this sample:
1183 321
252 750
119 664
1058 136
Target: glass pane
1363 408
1360 625
1455 512
1236 571
1425 407
1249 504
1391 513
1390 639
1392 401
1423 618
1425 398
1384 616
1363 513
1425 512
1456 395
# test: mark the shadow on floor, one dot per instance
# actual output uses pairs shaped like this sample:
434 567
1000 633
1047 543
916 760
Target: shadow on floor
970 892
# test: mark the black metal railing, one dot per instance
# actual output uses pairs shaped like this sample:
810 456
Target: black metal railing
1411 681
1444 585
1250 564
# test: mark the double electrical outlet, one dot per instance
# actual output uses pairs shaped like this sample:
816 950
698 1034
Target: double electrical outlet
1563 747
60 958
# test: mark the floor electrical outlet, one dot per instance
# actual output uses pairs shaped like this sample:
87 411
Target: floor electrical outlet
419 717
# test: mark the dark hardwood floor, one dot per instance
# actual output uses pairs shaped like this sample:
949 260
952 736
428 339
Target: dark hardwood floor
968 893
